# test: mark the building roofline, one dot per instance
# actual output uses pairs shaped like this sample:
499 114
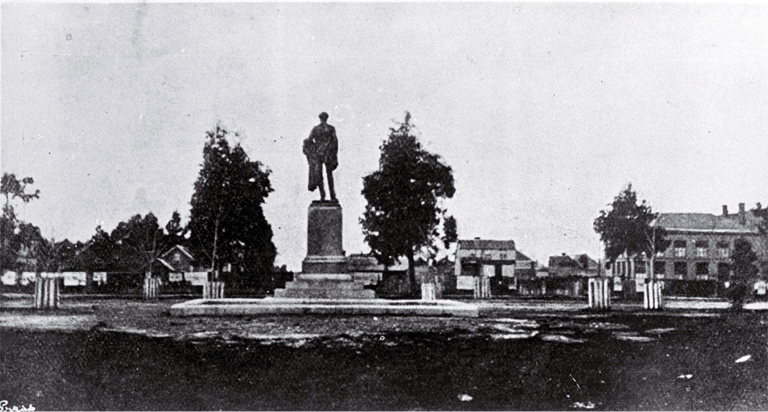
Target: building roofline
713 231
182 249
166 264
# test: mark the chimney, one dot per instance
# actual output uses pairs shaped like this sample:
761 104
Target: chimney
725 210
742 215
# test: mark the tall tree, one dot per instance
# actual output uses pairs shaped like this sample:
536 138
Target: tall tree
66 253
227 222
626 228
26 244
95 255
140 241
99 252
743 259
51 256
404 198
12 188
762 227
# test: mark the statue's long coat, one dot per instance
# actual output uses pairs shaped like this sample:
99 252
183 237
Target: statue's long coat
321 147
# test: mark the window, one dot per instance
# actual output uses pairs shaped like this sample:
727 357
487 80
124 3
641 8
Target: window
659 269
488 256
702 268
639 266
176 257
723 250
723 272
503 255
679 248
701 248
681 268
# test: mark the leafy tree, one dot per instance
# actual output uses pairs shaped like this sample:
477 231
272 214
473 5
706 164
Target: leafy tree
52 256
626 229
762 227
745 272
227 222
12 188
66 253
96 255
25 244
139 241
99 254
450 233
403 211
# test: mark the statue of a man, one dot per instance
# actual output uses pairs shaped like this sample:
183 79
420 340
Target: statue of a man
321 148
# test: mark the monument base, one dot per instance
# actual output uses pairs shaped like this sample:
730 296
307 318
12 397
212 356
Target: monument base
324 264
323 307
324 286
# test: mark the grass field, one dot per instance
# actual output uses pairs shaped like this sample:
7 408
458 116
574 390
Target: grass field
134 357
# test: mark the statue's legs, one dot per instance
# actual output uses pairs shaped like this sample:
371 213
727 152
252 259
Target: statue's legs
320 184
330 183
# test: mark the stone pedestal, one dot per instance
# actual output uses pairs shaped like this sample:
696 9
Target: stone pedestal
324 269
325 251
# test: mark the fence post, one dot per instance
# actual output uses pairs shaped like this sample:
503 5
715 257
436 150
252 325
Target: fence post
39 293
213 290
151 287
657 294
653 298
598 293
427 291
47 292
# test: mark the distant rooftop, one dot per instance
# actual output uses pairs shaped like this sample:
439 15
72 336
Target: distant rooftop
487 244
520 257
708 222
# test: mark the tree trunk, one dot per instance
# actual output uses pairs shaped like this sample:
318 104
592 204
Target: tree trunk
415 291
89 281
214 275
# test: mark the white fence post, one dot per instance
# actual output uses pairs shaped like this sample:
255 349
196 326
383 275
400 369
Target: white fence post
47 293
598 293
151 288
213 290
653 298
428 291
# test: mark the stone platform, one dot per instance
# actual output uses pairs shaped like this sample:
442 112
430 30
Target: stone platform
349 307
324 286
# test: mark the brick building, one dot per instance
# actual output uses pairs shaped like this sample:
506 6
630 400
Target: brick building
697 262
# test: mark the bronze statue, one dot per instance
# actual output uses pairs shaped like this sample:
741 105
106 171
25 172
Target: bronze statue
321 148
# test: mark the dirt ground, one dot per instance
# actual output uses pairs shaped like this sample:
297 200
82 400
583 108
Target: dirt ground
152 318
131 355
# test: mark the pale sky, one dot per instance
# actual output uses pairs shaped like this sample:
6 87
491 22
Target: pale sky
545 111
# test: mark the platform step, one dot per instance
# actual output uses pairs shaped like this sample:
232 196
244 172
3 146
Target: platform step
325 293
313 285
